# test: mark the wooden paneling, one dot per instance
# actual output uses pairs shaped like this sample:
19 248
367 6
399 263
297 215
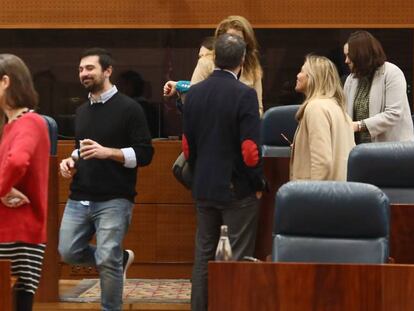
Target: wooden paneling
48 290
402 233
5 285
203 14
65 148
276 171
163 222
156 183
299 287
162 237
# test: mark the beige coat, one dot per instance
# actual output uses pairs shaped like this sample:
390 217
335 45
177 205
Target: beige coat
205 66
322 142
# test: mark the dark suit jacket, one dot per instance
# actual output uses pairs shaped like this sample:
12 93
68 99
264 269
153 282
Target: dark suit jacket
220 113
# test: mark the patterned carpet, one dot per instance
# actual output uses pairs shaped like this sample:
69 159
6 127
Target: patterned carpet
135 291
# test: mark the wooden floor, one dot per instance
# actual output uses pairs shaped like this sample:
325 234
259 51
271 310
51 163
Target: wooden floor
65 285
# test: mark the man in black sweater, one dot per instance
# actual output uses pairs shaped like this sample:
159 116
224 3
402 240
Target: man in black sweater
112 140
220 141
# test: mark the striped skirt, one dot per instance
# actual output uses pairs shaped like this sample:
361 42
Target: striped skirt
26 263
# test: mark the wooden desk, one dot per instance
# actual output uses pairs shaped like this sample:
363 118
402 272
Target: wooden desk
5 286
276 171
402 233
310 287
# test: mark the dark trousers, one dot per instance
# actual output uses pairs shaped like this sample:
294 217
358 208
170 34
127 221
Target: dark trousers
23 300
241 218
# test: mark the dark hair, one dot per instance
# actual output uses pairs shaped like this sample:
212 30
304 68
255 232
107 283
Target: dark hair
21 92
230 50
366 53
105 58
208 43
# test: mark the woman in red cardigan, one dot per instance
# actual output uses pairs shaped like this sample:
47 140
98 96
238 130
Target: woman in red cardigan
24 171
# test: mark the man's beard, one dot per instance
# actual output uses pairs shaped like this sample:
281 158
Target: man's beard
94 86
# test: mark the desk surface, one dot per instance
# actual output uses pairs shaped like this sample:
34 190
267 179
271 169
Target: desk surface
311 287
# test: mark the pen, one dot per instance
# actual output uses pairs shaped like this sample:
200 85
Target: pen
285 138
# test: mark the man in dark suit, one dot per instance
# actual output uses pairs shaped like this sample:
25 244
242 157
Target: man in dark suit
220 140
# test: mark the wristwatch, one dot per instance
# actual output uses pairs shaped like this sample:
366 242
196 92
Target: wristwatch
361 126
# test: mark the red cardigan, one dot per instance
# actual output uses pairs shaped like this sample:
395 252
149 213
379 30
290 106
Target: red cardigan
24 164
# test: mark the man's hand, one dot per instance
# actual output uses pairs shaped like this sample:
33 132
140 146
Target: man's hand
66 167
14 199
90 149
170 88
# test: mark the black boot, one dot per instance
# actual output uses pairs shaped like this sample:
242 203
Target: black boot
24 300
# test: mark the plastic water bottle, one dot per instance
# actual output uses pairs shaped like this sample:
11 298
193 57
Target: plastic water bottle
223 252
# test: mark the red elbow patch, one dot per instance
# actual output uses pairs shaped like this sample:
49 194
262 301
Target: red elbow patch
185 148
250 153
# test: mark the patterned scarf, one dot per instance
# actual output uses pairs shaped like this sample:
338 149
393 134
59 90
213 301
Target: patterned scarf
361 108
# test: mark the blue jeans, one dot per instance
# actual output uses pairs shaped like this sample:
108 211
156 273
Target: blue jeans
109 221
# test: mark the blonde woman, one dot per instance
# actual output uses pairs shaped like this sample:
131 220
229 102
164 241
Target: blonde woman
251 73
324 136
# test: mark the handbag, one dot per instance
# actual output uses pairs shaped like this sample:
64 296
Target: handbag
182 171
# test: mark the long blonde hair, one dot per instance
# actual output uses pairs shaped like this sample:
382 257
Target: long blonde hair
323 81
251 66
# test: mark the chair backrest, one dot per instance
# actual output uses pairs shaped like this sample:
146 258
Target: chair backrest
53 133
388 164
276 121
331 222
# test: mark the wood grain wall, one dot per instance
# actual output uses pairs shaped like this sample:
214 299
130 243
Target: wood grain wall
204 14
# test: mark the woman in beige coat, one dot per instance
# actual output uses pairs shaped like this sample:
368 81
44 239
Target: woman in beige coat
324 136
251 73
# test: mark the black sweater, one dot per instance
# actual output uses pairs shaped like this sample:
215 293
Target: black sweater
118 123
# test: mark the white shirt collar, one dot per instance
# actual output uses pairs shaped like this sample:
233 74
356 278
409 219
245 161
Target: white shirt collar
234 75
104 97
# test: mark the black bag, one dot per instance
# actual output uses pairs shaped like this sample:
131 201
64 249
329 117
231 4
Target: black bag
182 172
